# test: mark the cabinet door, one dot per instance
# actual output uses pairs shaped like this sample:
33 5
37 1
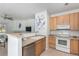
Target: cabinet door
66 19
63 20
74 46
60 20
43 44
52 23
52 41
74 21
38 48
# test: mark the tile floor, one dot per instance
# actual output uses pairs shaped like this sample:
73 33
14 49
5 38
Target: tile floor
3 51
49 52
54 52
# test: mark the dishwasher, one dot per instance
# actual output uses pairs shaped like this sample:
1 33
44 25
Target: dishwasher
29 50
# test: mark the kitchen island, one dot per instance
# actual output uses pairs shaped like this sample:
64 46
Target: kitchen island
16 41
33 46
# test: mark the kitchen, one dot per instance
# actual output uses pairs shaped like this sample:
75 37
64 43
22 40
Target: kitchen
66 28
57 33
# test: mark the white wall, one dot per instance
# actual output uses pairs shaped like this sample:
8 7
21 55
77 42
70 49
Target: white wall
42 29
8 24
24 23
12 26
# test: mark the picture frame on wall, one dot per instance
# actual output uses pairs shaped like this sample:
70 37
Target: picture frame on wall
19 25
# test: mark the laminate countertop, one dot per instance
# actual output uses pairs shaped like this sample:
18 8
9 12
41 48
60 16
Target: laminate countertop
27 38
32 39
22 34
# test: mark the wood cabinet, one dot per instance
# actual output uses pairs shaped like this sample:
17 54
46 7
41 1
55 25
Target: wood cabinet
40 46
52 23
69 19
74 46
63 20
43 44
35 48
74 21
52 41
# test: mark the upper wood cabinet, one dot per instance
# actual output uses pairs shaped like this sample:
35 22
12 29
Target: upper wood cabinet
68 19
63 20
52 41
74 46
52 23
74 21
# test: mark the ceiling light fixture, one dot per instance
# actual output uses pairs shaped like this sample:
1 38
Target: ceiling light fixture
5 16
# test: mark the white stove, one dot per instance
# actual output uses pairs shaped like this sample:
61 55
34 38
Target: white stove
63 38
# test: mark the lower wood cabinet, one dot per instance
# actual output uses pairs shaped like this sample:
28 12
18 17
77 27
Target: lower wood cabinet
52 41
74 46
40 46
35 48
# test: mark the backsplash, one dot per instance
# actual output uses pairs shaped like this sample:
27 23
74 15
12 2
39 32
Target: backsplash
72 33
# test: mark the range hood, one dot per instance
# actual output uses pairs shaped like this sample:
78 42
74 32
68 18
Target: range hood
63 27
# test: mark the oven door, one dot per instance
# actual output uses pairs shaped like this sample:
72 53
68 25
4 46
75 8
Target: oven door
63 42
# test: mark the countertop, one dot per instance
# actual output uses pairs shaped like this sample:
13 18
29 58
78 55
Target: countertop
32 39
75 37
15 34
27 38
22 34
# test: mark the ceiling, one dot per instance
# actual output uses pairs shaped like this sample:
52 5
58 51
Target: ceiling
28 10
